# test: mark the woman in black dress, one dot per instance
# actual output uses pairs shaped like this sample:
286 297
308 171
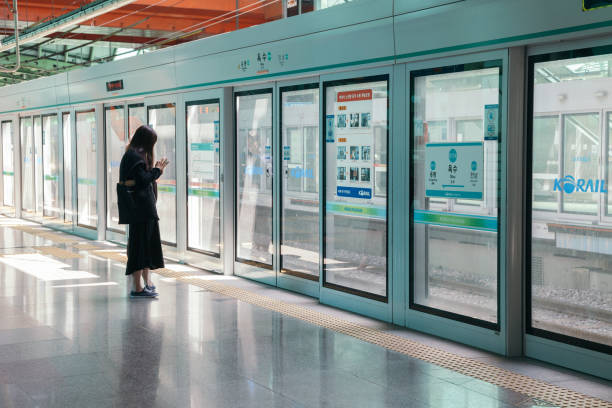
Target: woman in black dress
137 172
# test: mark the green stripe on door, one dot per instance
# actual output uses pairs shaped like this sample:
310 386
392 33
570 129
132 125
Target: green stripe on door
474 222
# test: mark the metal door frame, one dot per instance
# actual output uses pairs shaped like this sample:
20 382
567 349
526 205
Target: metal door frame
192 256
283 280
382 310
245 270
173 250
481 337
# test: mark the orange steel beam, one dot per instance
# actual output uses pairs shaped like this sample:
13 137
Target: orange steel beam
209 16
162 18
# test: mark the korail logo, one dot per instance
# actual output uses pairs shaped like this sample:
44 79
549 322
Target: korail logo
569 185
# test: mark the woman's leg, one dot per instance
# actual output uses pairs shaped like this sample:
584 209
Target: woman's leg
146 276
136 284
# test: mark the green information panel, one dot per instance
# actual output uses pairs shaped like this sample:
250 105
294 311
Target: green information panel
593 4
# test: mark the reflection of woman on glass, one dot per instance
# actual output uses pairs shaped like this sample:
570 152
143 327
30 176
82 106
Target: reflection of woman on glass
144 244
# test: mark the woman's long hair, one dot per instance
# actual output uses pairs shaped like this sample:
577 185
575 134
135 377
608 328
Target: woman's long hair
143 141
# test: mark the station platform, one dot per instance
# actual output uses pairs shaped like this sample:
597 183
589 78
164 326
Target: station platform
71 337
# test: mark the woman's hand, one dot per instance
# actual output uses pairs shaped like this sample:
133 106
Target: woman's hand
161 164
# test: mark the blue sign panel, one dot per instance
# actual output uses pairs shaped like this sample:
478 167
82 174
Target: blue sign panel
354 192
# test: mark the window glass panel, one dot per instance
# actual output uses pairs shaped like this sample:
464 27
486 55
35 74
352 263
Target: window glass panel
254 177
609 163
469 130
571 257
38 168
455 197
8 170
162 119
356 205
27 176
203 210
312 5
300 198
311 158
68 211
86 169
581 160
114 118
294 143
136 118
51 166
546 164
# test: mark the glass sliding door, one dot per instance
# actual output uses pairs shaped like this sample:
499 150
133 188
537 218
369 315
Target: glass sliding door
300 181
51 167
355 189
608 162
162 119
569 239
67 138
114 130
455 192
87 215
8 168
26 135
38 167
203 171
137 116
254 178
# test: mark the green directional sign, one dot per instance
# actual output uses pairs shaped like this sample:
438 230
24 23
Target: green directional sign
594 4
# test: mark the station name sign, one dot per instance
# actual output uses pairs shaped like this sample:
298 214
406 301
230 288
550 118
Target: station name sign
113 86
594 4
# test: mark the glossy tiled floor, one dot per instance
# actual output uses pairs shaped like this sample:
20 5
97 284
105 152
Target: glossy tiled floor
69 337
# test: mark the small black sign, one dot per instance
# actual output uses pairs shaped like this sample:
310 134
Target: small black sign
593 4
114 85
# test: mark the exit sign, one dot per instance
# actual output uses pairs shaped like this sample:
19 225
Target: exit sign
593 4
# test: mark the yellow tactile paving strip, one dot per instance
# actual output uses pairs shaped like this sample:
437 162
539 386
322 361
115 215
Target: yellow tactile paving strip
57 252
525 385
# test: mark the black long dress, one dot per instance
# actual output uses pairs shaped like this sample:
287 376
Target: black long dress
144 248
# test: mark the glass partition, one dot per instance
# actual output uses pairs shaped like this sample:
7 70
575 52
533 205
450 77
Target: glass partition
547 165
87 215
300 183
8 168
38 166
27 171
66 134
455 192
609 162
162 119
569 237
137 116
295 7
254 177
203 210
51 166
581 141
355 223
114 123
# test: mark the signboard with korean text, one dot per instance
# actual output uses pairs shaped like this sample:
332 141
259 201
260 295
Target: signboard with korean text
454 170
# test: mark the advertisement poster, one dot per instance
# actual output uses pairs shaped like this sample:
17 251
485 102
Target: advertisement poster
354 143
454 170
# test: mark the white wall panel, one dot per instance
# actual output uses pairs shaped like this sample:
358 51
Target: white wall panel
367 41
